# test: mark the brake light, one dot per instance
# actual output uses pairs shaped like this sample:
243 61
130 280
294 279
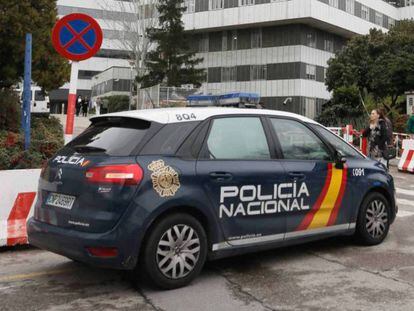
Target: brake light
103 252
124 174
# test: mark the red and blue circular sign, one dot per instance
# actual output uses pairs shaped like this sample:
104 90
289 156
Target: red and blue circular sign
77 36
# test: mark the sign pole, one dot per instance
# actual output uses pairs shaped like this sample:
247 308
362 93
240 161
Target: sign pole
76 37
27 91
71 102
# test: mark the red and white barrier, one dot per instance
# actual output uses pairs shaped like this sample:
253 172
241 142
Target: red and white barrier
406 163
18 195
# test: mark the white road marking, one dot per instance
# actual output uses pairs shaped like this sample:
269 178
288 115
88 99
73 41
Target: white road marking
405 202
405 214
405 191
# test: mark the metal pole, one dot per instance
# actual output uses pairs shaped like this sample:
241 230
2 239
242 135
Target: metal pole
71 102
130 90
27 91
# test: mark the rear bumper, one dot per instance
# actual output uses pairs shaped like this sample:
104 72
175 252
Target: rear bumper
73 244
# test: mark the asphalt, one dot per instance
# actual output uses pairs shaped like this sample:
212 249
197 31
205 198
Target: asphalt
330 274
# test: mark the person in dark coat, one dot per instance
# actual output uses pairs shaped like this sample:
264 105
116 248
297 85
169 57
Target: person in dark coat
85 105
78 105
376 133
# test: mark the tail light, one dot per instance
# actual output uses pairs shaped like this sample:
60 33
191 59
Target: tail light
123 174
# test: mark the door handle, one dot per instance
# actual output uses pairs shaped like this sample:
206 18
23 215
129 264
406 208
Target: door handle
221 176
297 176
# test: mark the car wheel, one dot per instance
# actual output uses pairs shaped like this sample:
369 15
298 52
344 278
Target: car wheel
175 251
373 221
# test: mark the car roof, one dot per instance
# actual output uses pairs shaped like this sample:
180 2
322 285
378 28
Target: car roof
177 115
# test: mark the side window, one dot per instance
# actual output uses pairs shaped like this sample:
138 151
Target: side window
298 142
237 138
338 143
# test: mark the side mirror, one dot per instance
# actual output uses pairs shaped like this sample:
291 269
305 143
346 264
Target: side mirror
340 160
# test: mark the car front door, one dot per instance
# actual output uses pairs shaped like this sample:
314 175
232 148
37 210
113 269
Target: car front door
239 172
317 199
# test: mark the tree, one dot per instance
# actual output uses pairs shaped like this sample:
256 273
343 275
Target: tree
344 108
49 70
137 16
172 62
380 64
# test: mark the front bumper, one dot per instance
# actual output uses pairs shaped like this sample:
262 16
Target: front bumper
73 244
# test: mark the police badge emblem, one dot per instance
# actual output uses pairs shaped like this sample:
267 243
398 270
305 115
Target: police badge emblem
164 178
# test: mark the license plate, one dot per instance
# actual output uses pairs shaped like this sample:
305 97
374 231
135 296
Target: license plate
60 200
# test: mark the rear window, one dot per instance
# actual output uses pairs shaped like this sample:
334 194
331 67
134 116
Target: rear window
113 137
40 96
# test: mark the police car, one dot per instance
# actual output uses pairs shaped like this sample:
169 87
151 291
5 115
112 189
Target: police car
162 191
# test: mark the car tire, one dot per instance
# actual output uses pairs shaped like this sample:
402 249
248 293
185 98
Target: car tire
174 252
373 221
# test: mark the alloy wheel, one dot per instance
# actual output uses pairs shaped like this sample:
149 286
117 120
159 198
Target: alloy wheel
178 251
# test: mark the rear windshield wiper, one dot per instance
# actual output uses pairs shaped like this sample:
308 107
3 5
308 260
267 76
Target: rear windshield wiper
85 148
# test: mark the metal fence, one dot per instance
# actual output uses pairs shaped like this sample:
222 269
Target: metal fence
161 96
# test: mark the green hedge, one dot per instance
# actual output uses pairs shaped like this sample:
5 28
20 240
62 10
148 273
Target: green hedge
46 137
116 103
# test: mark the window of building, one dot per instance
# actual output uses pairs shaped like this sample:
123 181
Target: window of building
311 39
378 18
256 38
189 6
310 107
246 2
365 12
329 45
231 38
350 6
203 43
228 74
258 72
310 72
224 41
334 3
215 4
391 22
237 138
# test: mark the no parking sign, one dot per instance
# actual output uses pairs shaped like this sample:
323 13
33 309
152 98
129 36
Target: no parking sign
76 37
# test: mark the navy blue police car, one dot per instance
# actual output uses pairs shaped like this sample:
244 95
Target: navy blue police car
162 191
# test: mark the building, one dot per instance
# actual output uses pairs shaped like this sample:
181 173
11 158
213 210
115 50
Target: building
278 48
113 51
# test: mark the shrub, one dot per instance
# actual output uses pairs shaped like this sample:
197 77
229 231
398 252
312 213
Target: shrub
46 140
117 103
9 110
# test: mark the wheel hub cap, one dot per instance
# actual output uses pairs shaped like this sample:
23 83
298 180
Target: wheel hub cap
376 218
178 251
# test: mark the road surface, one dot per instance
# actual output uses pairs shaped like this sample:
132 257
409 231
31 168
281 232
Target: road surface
330 274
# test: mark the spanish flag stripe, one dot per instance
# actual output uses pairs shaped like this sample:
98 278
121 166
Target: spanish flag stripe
321 217
334 214
309 216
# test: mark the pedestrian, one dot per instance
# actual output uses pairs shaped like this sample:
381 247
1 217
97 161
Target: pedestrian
410 124
85 105
78 105
98 106
389 127
376 133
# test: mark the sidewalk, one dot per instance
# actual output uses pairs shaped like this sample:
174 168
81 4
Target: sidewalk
81 123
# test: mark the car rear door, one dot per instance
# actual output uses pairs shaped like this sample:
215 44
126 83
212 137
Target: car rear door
320 185
89 184
238 171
